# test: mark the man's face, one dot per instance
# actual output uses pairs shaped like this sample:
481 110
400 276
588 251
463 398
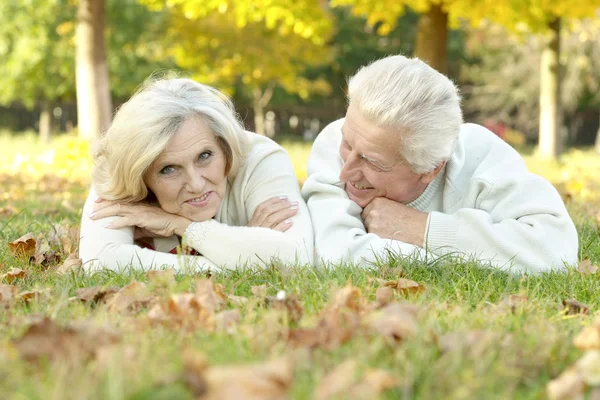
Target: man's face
372 164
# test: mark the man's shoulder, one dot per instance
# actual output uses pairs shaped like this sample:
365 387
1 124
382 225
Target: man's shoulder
331 134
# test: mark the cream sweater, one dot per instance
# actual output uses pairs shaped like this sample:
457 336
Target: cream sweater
224 241
483 204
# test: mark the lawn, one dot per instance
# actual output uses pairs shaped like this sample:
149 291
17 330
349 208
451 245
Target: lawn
399 330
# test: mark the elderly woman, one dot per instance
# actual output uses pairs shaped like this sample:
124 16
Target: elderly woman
402 173
176 163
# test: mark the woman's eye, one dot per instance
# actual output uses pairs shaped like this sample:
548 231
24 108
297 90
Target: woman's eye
167 170
205 155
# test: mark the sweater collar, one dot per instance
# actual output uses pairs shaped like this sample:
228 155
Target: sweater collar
422 202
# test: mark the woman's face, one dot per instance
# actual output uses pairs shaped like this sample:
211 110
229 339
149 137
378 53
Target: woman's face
188 177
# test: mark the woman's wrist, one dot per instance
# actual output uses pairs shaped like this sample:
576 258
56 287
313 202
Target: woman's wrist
180 225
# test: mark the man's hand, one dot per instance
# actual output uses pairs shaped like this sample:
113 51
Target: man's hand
150 221
392 220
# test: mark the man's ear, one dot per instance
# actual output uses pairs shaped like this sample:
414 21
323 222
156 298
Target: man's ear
430 176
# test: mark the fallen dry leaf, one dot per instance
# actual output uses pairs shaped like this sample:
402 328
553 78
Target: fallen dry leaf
44 255
395 322
7 292
12 274
210 296
30 295
589 337
290 304
267 381
406 286
567 386
574 307
7 211
130 298
237 300
514 302
65 237
46 339
343 382
227 320
589 367
347 297
23 247
586 267
338 381
259 291
334 328
94 294
384 296
161 280
72 264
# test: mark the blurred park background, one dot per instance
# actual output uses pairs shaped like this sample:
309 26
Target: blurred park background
528 70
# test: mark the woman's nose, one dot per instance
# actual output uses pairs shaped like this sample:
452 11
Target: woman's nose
195 181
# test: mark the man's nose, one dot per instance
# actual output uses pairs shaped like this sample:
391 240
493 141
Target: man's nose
351 167
195 181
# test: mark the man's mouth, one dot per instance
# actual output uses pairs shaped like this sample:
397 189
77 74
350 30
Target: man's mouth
359 186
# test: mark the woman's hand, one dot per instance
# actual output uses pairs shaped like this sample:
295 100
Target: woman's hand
148 220
275 213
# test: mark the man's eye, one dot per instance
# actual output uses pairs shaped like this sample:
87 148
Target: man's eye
167 170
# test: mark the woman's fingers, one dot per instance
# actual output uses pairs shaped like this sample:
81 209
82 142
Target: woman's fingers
280 216
267 208
109 211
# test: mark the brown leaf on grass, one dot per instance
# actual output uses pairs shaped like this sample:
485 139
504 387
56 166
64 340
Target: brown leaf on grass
259 291
514 302
65 237
46 339
586 267
130 298
333 330
161 280
347 297
7 211
290 304
343 382
391 272
209 295
267 381
384 296
395 322
589 337
71 264
94 294
338 381
12 274
227 320
574 307
23 247
406 286
589 367
44 255
31 295
237 301
567 386
7 292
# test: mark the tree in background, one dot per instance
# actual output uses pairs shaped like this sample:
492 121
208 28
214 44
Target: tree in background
249 46
94 104
37 58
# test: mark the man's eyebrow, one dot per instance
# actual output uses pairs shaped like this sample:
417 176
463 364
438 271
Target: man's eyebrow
376 162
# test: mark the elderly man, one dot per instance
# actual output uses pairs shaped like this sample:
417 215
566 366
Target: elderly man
402 173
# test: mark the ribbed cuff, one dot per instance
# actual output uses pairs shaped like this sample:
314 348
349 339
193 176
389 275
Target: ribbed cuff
441 231
196 233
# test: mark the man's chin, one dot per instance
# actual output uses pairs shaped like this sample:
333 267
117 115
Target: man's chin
361 201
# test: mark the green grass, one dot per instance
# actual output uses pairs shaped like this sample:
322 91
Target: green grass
527 344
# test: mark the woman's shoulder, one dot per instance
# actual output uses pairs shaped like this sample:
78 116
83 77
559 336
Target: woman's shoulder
261 149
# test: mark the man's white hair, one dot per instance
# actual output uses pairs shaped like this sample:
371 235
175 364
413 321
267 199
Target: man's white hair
409 97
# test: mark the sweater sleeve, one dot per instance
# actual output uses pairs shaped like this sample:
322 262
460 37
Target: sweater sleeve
340 235
228 245
519 224
114 249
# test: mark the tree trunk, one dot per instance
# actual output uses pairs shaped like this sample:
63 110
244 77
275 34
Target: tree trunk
94 105
45 121
432 38
550 140
597 146
260 99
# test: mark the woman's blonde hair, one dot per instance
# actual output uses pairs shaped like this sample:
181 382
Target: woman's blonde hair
145 124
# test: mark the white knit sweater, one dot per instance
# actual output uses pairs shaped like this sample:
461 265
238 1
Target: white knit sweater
224 241
483 204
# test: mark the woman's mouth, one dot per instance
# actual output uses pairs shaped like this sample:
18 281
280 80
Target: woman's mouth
200 201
